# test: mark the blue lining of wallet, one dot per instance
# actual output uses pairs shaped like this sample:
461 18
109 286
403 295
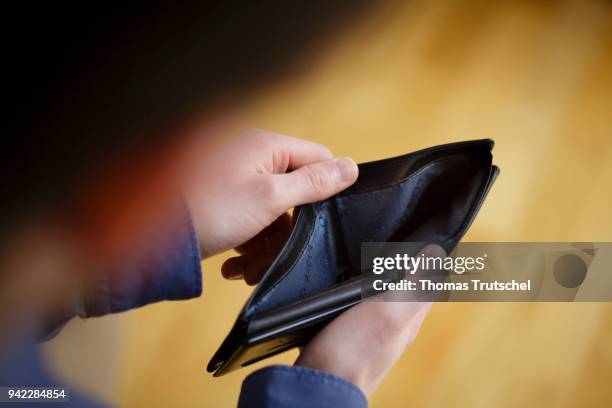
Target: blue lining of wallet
400 196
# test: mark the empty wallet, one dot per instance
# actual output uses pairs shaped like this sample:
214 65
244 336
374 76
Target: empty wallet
431 196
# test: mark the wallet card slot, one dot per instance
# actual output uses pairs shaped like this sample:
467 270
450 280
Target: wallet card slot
313 271
305 310
304 221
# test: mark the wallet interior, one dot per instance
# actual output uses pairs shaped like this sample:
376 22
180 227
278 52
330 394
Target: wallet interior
428 196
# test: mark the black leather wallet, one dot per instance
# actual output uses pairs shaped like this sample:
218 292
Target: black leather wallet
431 196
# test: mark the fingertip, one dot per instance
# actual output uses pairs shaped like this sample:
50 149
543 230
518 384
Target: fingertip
251 279
347 170
233 269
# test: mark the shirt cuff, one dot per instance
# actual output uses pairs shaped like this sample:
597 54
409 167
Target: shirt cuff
285 386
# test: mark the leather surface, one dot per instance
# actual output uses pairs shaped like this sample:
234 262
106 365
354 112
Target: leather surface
428 196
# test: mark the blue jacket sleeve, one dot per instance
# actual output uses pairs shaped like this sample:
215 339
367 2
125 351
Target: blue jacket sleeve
298 387
168 267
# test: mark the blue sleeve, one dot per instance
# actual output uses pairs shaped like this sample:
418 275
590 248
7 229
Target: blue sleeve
298 387
166 267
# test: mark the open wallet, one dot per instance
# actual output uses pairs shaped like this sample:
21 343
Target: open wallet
431 196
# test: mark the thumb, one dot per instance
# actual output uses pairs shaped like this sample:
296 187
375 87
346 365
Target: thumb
316 181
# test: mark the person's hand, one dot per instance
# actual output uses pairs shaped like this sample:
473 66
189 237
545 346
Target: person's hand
240 200
363 343
243 191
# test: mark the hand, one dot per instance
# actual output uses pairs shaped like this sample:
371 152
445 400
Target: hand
242 193
362 344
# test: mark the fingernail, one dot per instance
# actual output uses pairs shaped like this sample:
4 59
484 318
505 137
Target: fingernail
347 169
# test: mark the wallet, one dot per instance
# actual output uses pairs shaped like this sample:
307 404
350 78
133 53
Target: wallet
431 196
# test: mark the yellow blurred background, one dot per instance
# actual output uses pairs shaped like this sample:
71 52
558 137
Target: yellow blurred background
534 76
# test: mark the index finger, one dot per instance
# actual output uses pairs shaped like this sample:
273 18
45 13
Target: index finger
290 153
